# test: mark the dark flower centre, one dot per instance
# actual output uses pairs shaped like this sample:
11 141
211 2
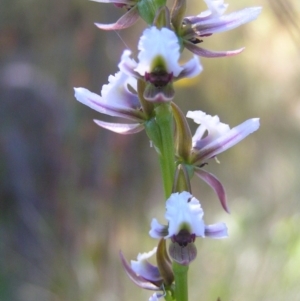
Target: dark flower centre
183 238
159 78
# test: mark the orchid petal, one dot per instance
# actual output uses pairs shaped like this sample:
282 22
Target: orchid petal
138 280
125 21
121 128
229 139
216 231
158 230
225 23
215 184
192 68
145 269
209 124
102 105
216 7
127 65
208 53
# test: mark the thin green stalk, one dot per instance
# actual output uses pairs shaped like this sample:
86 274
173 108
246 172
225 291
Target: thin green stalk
164 120
181 277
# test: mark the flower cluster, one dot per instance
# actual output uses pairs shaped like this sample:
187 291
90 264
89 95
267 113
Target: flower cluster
142 92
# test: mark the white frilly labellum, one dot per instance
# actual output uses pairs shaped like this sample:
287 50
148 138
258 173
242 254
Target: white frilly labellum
166 46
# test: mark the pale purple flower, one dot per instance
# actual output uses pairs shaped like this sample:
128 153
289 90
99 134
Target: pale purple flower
158 63
212 138
213 21
185 221
116 100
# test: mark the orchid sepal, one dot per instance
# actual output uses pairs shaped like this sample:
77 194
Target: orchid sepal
203 26
215 184
216 231
121 128
209 53
119 98
96 102
137 279
127 20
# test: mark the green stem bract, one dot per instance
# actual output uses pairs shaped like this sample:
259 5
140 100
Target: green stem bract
148 8
153 132
181 276
164 120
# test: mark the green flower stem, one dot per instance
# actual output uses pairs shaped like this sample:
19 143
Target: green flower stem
160 131
181 276
164 120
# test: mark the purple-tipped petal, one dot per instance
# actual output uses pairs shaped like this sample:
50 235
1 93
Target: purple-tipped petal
125 21
229 139
121 128
226 22
101 105
138 280
208 53
215 184
216 231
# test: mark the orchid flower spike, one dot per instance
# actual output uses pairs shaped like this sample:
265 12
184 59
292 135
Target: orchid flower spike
185 222
116 100
158 63
195 28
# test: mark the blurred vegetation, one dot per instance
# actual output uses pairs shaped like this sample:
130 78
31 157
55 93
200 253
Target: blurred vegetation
72 195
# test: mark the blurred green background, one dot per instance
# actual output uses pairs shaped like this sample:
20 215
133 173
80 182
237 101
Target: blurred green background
72 195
